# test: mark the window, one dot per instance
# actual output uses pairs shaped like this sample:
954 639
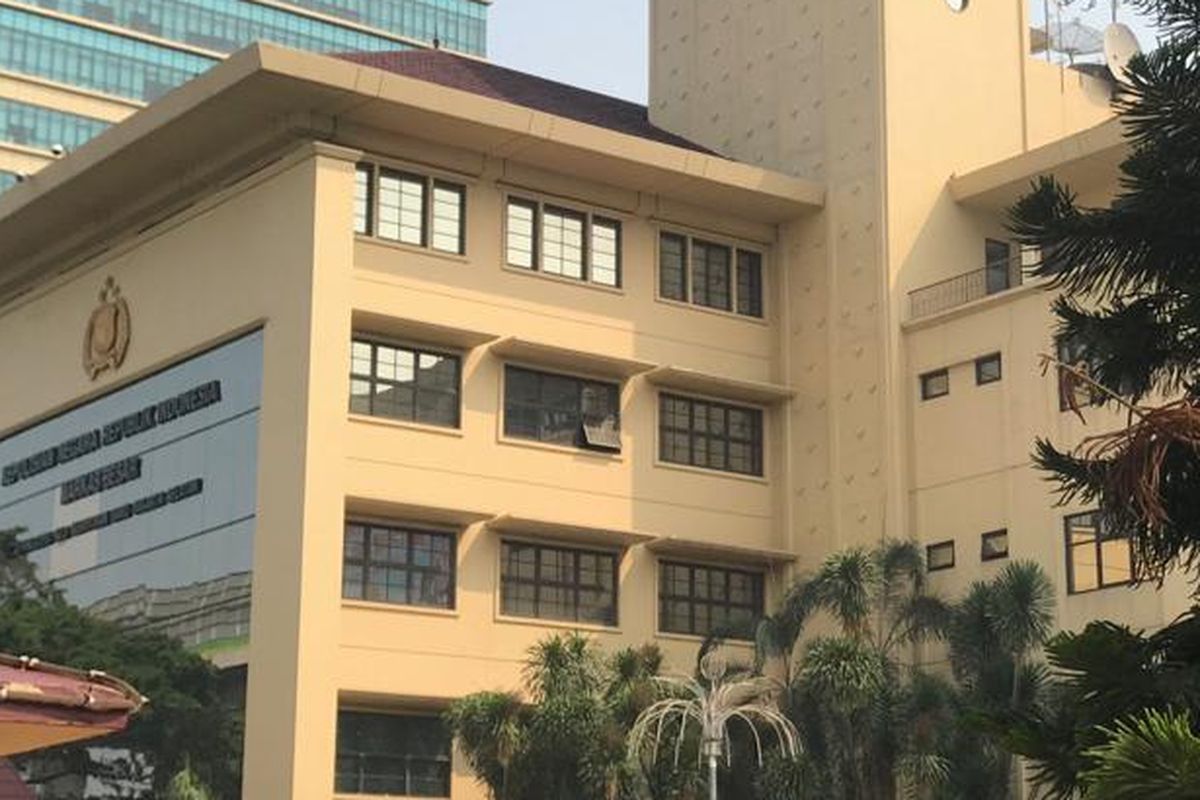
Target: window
410 208
935 384
711 275
700 600
939 556
364 189
392 754
563 242
703 433
560 409
998 265
404 383
993 545
1097 557
1073 392
987 369
403 565
545 582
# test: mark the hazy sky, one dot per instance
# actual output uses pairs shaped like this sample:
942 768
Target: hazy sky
603 45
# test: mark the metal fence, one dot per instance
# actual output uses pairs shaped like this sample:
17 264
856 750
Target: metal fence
965 288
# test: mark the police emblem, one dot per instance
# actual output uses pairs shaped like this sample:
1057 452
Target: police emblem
107 336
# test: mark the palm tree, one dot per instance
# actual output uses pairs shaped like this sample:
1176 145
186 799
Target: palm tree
711 707
1154 756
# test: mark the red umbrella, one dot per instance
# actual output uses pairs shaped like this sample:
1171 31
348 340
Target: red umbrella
43 705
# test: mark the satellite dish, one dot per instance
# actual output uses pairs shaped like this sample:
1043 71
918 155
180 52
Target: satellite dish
1076 39
1120 46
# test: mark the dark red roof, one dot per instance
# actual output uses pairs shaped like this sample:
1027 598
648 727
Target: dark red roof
522 89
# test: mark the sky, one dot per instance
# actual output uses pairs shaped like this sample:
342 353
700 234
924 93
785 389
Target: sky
603 46
600 46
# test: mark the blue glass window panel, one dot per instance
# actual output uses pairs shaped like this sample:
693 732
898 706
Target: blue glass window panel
90 58
7 181
35 126
459 24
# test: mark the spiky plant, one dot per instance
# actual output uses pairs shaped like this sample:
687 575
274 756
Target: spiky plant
710 708
1155 756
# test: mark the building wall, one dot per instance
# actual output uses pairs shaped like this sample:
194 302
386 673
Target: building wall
885 102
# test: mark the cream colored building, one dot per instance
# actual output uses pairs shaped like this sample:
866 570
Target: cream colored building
563 366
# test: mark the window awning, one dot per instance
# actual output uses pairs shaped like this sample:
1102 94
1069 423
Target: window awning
572 533
719 386
367 323
568 359
674 547
414 512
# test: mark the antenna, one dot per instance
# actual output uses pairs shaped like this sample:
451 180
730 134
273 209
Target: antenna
1120 46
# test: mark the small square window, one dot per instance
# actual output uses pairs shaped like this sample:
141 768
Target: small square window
994 545
987 369
935 384
939 556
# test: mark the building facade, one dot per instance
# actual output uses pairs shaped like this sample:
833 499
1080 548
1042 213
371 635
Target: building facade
368 373
71 68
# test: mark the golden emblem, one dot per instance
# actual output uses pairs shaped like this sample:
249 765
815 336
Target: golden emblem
107 336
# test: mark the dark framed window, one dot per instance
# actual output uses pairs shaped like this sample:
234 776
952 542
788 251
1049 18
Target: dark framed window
935 384
993 545
413 209
939 556
404 383
1073 392
561 409
749 283
698 600
398 564
708 274
392 754
562 241
559 583
1097 557
998 264
988 369
364 198
704 433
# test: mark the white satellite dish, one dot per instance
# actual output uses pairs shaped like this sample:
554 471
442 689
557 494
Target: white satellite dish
1120 46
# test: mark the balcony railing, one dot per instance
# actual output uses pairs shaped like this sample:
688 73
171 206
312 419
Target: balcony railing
999 276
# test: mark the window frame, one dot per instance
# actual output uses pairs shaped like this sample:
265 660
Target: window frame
984 538
431 183
758 412
981 361
1097 544
408 528
539 205
736 249
417 350
581 441
1085 395
448 759
924 379
576 586
929 550
759 579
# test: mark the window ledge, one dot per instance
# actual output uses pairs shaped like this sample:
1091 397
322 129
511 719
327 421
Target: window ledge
363 238
399 608
689 380
563 280
588 627
569 360
719 312
602 455
712 473
388 422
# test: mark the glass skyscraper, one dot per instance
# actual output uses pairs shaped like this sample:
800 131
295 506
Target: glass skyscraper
70 68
